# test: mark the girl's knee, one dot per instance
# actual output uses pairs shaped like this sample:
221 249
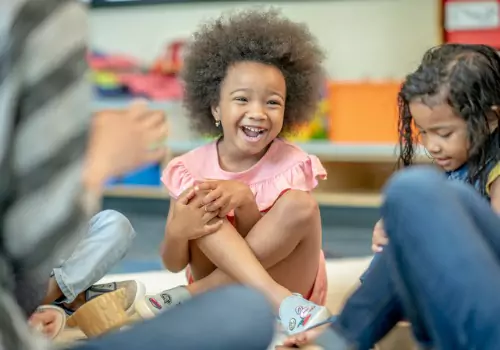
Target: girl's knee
298 207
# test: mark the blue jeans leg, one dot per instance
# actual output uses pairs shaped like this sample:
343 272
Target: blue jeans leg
443 258
229 318
108 239
373 309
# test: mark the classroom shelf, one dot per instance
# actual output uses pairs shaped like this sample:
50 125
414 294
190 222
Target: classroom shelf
325 150
356 172
369 200
100 104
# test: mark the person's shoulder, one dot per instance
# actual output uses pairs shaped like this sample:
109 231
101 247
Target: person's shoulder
285 152
287 167
182 171
285 155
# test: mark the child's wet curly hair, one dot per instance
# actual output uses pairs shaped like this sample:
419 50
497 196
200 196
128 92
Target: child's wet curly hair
259 36
466 77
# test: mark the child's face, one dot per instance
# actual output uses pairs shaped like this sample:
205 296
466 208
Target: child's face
251 106
442 133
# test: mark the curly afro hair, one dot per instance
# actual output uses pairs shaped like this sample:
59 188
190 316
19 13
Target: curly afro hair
259 36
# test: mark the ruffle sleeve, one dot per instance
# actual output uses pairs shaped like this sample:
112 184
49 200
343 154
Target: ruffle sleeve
303 175
176 177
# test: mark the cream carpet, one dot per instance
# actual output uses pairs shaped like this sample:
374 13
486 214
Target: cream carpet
343 276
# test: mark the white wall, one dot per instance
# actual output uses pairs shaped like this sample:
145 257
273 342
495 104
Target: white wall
375 39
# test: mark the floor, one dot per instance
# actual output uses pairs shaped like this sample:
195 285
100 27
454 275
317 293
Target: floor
342 276
346 232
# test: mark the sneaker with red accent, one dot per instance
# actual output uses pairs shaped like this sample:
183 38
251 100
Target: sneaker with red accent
151 305
297 314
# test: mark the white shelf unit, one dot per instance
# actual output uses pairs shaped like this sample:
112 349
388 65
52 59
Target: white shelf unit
356 172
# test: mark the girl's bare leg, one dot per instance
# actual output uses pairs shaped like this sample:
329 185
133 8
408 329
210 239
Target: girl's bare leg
286 242
229 251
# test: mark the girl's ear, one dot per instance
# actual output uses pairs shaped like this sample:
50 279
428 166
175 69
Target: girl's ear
216 112
493 123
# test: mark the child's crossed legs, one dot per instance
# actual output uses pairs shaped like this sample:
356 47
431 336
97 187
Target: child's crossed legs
280 254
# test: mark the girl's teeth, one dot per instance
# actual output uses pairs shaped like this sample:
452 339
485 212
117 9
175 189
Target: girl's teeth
252 132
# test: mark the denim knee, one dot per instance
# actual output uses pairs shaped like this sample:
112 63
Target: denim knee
412 181
123 232
408 192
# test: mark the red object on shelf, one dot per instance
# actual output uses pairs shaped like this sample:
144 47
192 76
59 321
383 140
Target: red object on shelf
472 22
111 62
153 86
170 62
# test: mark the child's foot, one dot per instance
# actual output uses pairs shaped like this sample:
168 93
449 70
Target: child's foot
298 314
134 290
151 305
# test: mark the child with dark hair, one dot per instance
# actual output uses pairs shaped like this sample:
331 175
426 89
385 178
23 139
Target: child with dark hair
451 105
241 209
444 234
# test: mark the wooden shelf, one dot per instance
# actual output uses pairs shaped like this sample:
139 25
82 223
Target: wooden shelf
124 103
356 200
369 200
146 192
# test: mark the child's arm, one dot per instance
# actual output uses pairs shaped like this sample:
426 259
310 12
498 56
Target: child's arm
495 195
493 186
174 249
187 220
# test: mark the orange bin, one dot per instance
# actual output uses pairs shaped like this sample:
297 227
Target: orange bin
363 112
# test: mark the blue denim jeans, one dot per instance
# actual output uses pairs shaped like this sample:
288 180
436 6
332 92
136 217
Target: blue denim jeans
108 239
229 318
441 269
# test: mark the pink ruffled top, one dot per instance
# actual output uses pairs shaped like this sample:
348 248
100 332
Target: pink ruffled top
285 166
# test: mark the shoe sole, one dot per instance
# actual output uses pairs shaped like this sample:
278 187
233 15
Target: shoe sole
143 310
131 312
139 295
321 318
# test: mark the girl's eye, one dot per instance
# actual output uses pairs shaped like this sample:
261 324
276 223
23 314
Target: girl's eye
241 99
274 103
446 135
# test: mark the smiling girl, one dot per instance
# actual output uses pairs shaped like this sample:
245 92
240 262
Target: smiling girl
241 208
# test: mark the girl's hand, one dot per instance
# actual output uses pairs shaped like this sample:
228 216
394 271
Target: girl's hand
379 238
190 220
225 195
302 339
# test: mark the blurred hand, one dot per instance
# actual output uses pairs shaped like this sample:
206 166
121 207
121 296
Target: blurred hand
122 141
46 321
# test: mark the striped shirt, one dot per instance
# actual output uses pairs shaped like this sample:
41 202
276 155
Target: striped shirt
44 104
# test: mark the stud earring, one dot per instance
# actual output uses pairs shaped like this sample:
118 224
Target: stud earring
217 123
